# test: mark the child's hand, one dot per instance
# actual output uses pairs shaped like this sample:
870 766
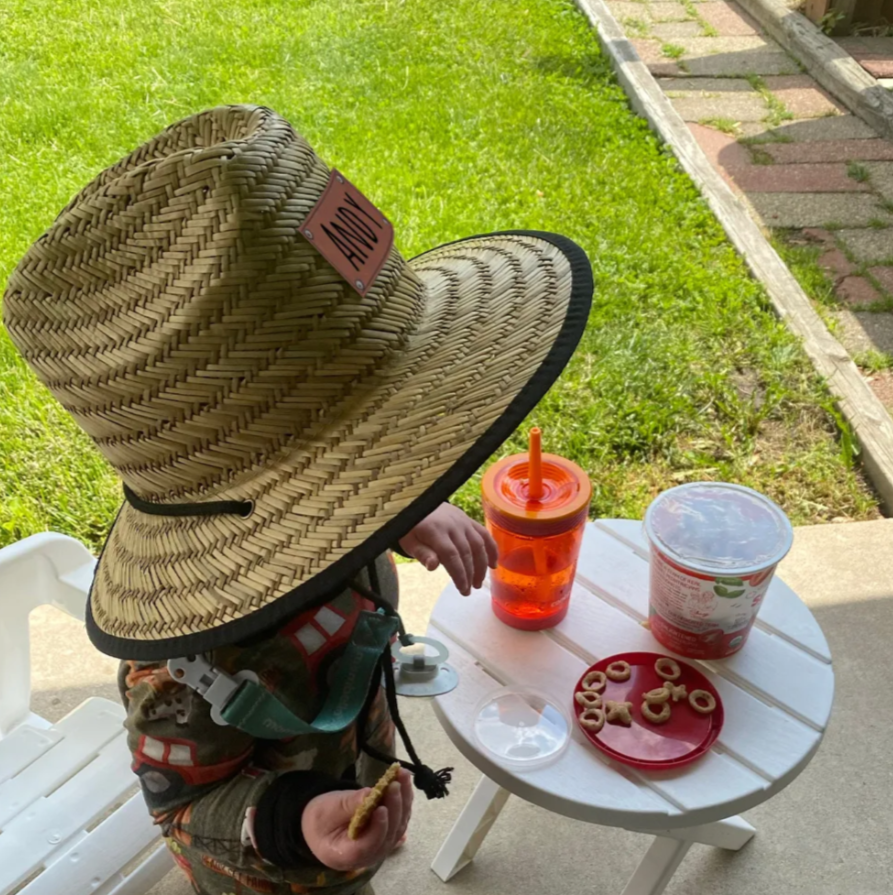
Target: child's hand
464 547
327 817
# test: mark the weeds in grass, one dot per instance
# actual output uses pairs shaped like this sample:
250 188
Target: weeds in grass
886 302
882 29
706 28
636 27
849 444
858 172
831 19
802 259
873 361
726 125
672 51
778 112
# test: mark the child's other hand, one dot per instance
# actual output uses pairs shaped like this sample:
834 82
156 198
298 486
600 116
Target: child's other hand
464 547
327 817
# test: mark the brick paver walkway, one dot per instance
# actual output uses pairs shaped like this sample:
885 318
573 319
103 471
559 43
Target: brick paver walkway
874 54
802 163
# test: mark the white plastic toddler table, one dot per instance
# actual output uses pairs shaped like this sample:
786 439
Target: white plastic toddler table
777 693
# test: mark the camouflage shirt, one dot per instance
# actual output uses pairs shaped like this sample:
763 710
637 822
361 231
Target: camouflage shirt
203 782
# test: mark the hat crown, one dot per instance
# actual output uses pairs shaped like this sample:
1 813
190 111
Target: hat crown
178 313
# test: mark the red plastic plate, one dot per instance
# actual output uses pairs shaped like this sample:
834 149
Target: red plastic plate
681 740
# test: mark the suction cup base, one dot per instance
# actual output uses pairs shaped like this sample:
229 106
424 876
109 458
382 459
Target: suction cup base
443 681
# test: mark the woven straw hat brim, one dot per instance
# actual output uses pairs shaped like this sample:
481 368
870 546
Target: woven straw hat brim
501 317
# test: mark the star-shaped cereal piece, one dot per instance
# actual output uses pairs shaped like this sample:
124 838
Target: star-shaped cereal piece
618 712
676 692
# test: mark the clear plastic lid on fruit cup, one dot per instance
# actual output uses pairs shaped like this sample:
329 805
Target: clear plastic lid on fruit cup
521 728
718 527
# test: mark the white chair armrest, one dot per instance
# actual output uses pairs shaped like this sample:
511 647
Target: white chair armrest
45 569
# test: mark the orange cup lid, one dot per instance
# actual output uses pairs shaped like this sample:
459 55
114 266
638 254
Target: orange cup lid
566 488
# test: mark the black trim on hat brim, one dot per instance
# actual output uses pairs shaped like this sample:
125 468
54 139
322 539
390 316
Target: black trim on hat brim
326 584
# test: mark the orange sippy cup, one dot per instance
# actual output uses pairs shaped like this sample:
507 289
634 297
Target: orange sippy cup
536 506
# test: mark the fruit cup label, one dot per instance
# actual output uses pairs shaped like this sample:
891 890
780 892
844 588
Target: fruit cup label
701 616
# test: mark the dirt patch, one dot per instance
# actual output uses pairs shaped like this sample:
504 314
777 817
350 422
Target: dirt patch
882 385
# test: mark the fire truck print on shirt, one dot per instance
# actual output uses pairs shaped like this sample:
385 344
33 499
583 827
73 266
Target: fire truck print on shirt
321 636
202 782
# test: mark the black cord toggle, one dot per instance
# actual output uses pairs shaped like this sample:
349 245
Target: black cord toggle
433 783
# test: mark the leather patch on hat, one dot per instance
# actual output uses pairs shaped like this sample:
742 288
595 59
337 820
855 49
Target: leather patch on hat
349 232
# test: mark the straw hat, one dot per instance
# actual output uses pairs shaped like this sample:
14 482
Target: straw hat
277 420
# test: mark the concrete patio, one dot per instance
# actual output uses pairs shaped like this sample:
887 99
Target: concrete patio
829 833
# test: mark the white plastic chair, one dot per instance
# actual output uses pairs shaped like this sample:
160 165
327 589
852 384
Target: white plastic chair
70 821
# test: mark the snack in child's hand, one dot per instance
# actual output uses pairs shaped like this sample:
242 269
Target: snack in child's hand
676 692
589 699
667 668
363 814
593 719
656 717
618 712
618 671
595 680
657 696
701 701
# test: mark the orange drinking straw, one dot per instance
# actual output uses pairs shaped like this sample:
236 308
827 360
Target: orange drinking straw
535 482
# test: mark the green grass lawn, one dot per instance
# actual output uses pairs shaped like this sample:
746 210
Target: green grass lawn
456 118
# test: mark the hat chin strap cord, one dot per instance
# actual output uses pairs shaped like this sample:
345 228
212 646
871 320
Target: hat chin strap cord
432 783
241 701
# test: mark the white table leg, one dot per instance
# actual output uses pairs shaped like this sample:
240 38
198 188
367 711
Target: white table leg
670 847
657 867
470 829
733 833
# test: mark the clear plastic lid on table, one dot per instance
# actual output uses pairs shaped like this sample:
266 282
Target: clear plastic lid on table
521 728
